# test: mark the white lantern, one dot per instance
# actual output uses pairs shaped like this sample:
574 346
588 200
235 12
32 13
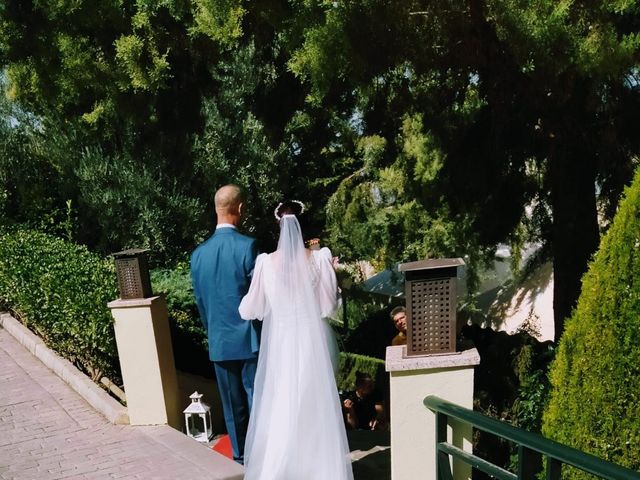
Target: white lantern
197 418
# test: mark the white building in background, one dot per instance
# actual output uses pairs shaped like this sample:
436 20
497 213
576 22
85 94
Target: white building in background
513 305
506 304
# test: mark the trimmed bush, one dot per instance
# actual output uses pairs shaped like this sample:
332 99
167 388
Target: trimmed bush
595 397
60 290
188 337
349 364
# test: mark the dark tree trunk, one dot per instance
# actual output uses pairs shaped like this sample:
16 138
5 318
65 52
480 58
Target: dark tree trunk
575 234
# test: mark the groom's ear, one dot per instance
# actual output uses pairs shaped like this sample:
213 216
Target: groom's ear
240 208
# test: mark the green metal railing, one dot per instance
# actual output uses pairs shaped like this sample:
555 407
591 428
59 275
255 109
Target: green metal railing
531 448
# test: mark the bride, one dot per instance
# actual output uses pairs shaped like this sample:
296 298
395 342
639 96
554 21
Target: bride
296 431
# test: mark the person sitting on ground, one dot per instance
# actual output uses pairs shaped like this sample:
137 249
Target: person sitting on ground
364 407
399 318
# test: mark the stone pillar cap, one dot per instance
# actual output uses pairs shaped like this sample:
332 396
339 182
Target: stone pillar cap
133 302
397 360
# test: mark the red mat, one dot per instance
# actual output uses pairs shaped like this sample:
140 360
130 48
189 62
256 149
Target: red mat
223 446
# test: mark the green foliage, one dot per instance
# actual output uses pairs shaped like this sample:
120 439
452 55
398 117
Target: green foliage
30 188
220 20
421 150
375 214
532 369
60 290
495 137
400 114
189 340
117 91
130 50
326 48
234 145
531 401
349 364
135 205
509 384
176 287
368 330
595 378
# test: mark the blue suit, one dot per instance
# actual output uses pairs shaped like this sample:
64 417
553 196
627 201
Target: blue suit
221 269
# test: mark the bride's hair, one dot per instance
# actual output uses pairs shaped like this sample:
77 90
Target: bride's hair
289 207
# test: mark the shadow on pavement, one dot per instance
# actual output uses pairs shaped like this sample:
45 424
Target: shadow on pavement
371 454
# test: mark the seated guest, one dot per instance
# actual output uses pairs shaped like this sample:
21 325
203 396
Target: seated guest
364 407
399 318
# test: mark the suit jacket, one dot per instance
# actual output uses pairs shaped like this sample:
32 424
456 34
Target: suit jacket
221 269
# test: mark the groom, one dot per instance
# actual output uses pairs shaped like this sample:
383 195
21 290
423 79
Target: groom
221 269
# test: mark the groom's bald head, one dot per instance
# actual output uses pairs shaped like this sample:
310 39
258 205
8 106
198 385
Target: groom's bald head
229 200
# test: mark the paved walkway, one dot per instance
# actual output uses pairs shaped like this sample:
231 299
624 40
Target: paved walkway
48 431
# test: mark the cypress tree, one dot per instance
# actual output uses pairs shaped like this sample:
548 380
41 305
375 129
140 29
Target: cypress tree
595 398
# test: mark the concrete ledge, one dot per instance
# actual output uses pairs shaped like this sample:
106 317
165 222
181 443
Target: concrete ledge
92 393
222 467
133 302
397 360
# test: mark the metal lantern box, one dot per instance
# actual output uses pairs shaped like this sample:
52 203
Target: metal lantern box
133 273
430 292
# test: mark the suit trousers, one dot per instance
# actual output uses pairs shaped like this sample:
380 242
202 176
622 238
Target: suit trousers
235 383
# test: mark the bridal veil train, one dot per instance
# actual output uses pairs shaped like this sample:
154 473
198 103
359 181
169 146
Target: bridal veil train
296 431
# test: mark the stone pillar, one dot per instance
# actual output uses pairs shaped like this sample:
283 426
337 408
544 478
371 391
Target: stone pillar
146 360
413 429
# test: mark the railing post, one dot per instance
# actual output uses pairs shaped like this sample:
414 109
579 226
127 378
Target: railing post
529 463
554 469
443 466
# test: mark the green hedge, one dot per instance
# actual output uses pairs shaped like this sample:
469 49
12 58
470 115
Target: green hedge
595 397
349 364
188 337
60 290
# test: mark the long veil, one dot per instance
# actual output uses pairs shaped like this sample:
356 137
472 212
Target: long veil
296 429
291 266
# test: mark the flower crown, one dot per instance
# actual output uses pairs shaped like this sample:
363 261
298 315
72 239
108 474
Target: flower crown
277 209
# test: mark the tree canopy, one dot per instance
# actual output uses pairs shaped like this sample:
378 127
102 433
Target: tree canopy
526 109
422 128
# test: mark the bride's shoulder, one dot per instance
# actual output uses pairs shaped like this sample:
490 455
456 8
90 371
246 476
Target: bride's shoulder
324 253
261 257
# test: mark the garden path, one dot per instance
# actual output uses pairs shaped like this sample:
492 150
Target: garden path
48 431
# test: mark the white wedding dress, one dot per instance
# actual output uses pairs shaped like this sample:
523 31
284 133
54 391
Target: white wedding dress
296 430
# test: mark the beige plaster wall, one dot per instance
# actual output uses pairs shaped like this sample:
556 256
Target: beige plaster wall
413 433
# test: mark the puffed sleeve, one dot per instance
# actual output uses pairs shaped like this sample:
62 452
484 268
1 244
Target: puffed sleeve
328 293
254 304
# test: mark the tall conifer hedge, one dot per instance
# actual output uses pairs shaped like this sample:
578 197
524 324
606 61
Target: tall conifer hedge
595 398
